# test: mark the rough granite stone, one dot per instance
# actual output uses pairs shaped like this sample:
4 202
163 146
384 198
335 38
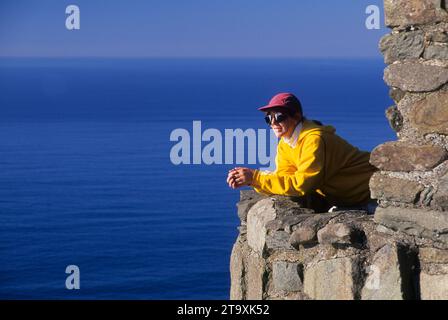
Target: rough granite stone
247 199
433 286
331 279
237 282
408 263
258 216
256 269
436 52
438 36
433 255
417 222
287 276
303 235
430 114
440 198
336 233
404 45
278 240
286 223
415 76
401 156
384 280
412 12
394 189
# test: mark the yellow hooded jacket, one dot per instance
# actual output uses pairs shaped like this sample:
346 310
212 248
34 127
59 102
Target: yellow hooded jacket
320 161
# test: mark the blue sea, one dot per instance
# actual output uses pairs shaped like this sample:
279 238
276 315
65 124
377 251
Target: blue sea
86 177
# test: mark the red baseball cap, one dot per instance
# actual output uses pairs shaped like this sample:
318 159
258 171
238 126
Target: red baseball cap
288 101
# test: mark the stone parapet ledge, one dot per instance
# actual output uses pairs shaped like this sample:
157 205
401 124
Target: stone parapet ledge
284 251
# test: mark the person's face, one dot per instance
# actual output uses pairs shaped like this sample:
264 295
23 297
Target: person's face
281 123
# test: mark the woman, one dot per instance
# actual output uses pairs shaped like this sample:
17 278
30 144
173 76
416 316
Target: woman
310 159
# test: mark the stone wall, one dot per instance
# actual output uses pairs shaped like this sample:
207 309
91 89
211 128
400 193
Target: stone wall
284 251
412 186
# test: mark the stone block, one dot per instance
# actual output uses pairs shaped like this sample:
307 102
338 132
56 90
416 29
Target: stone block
433 286
430 114
413 12
287 276
287 222
394 189
436 52
256 269
415 76
404 45
237 271
438 36
400 156
336 233
332 279
433 255
440 198
278 240
247 199
430 224
258 216
385 279
303 235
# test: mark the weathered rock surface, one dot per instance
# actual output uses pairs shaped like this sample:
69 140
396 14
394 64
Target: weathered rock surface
287 276
255 268
436 52
433 255
344 255
430 115
404 45
389 275
430 224
247 200
237 272
440 198
394 189
401 156
413 12
332 279
415 76
303 235
434 286
258 216
337 233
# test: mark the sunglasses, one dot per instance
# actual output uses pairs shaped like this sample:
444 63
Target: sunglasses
278 117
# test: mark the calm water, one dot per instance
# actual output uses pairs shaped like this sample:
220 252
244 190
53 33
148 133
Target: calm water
86 178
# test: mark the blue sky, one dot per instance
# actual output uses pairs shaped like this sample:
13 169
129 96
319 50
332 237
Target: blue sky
193 28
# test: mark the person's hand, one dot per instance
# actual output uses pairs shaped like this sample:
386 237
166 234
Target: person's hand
239 177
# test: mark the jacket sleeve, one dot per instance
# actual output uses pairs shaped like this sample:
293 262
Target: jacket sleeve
308 175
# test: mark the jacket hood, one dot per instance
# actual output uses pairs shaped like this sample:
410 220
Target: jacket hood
309 127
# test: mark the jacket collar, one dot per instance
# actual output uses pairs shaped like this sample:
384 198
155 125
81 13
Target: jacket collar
292 141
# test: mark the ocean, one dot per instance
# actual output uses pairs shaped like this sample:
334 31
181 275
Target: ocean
86 177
